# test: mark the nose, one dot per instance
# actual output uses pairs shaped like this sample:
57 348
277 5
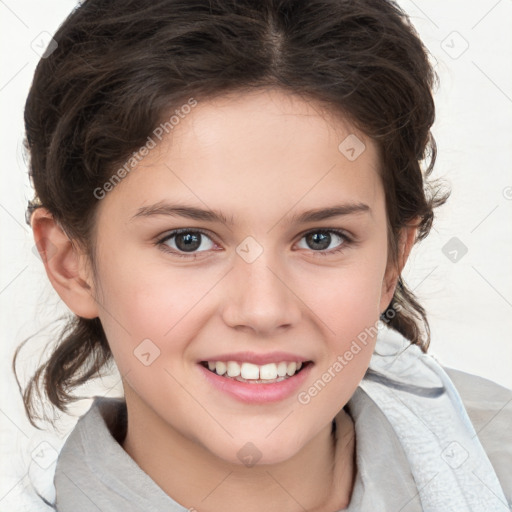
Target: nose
259 297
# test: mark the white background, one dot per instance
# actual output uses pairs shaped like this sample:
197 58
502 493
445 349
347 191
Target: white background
469 301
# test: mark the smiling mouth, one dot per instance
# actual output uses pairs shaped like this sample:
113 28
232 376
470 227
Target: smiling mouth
239 377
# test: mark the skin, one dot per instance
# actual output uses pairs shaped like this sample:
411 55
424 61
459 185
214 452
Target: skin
260 158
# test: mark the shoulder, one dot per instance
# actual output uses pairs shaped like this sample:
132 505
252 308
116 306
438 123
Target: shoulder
489 407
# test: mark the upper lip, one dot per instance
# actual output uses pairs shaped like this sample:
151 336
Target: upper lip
258 359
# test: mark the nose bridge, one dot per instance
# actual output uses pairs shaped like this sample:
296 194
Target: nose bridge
259 297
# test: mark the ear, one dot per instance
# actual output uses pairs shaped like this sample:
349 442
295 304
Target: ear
407 237
66 266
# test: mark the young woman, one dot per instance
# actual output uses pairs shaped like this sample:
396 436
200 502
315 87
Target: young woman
226 195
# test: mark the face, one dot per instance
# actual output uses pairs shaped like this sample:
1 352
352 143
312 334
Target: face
266 279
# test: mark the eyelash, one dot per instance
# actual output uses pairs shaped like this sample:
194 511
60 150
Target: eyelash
162 246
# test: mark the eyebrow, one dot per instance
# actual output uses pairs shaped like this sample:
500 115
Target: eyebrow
192 212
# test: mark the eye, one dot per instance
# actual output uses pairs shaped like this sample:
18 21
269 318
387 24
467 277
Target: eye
187 243
319 240
183 241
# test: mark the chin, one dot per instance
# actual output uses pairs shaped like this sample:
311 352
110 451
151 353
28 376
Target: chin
257 450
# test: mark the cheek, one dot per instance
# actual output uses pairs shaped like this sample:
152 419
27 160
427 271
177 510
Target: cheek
348 312
153 303
348 298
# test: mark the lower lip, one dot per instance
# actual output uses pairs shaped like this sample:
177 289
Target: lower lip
257 393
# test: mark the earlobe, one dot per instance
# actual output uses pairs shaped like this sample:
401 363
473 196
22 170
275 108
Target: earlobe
65 265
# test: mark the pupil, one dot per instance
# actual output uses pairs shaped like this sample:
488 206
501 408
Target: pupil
188 242
322 238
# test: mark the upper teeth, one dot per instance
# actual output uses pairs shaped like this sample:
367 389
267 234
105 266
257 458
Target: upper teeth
253 371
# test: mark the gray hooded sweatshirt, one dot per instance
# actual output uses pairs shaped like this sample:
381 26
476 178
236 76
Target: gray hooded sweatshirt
94 473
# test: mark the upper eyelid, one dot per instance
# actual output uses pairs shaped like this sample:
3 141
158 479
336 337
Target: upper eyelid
339 231
174 232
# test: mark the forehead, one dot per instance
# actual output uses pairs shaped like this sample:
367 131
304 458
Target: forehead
267 149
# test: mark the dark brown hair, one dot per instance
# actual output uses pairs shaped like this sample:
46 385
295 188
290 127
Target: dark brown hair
122 65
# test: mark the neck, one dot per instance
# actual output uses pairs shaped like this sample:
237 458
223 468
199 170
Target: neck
318 478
